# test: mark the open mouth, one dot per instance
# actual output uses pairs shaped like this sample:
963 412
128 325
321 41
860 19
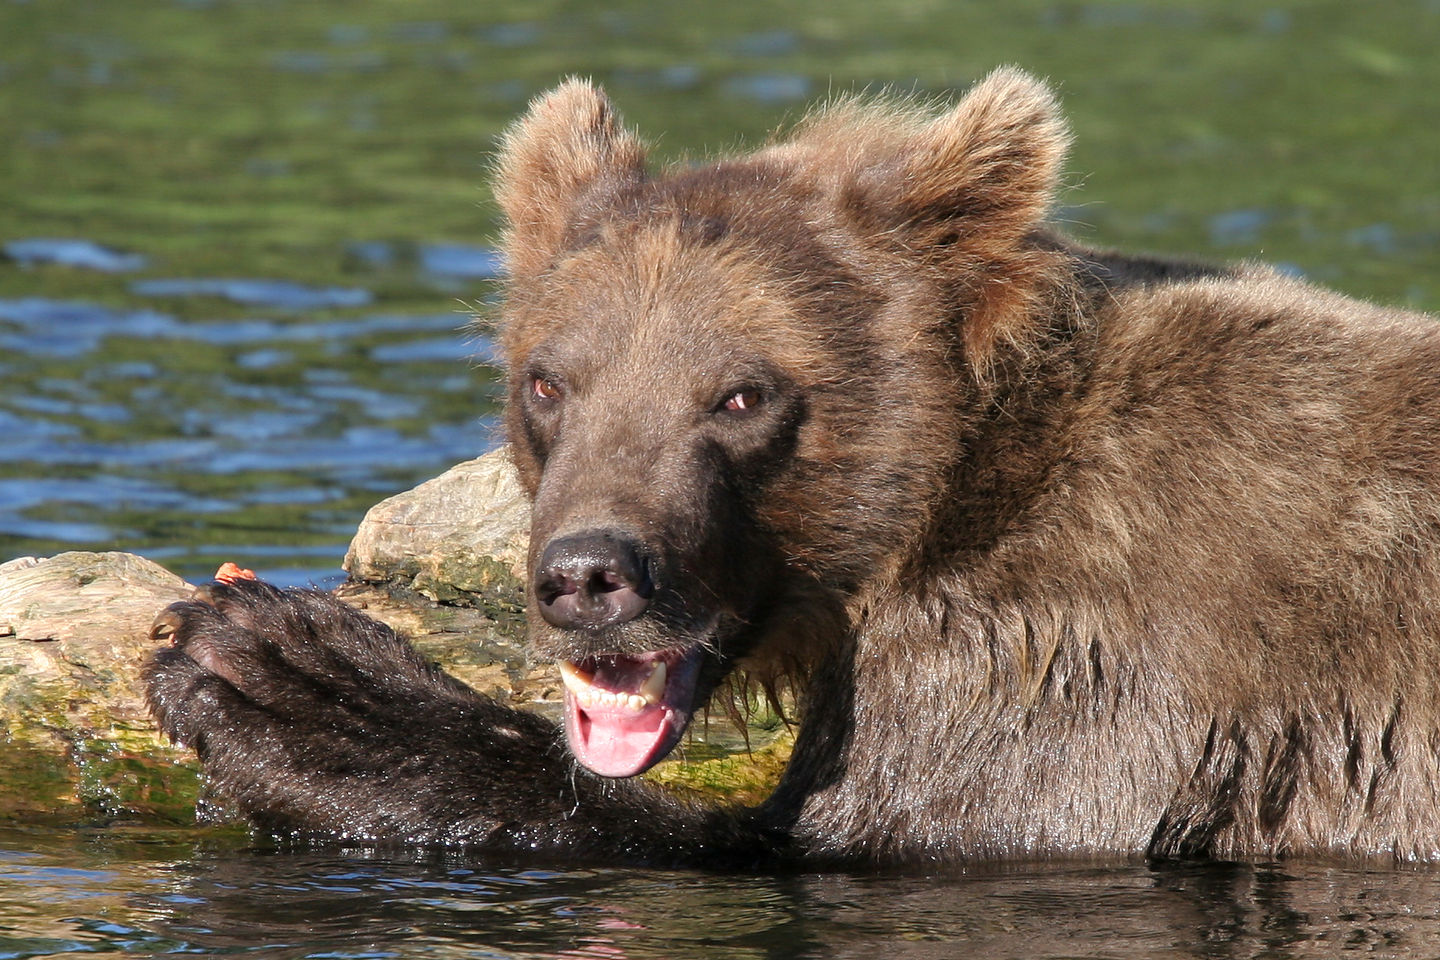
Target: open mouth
623 714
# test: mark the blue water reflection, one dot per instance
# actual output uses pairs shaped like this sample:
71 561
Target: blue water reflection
63 328
137 894
455 260
128 427
85 254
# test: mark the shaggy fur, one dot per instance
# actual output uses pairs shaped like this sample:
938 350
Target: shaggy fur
1074 552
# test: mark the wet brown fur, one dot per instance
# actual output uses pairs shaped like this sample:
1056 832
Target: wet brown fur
1073 552
1080 552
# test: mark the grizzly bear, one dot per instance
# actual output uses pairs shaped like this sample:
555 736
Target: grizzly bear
1070 552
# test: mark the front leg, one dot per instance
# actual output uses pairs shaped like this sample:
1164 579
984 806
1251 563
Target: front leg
314 718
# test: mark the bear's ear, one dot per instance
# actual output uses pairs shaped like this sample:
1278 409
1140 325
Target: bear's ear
987 168
570 145
965 190
983 172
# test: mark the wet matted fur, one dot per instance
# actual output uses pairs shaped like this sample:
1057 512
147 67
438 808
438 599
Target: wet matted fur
1073 552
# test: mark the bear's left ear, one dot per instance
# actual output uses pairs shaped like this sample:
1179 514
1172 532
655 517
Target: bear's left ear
983 172
967 190
569 146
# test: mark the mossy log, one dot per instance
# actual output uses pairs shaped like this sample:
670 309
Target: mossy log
443 564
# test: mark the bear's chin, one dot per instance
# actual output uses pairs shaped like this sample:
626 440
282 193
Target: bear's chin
624 713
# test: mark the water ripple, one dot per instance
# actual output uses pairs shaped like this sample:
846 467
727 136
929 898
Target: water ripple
268 293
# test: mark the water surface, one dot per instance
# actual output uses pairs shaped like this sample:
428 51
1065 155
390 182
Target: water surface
137 893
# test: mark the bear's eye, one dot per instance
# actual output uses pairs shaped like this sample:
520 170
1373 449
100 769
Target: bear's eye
743 401
545 389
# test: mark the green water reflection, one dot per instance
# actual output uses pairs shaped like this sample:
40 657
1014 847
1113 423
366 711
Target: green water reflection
343 145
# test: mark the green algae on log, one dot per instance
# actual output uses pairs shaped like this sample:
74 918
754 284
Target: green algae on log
79 742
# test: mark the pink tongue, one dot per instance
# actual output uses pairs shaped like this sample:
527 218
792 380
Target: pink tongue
616 742
619 742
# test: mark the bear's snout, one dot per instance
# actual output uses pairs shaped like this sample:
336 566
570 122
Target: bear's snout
592 580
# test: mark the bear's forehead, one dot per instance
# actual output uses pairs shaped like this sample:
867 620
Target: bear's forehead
654 284
705 269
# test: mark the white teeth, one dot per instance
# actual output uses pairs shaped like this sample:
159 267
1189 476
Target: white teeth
576 680
582 686
654 686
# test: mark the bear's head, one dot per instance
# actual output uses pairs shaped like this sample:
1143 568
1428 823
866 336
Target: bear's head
738 391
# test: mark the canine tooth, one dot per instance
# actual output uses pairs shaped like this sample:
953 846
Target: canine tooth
577 681
654 686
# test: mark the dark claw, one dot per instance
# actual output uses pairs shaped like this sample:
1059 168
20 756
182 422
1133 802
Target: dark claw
166 624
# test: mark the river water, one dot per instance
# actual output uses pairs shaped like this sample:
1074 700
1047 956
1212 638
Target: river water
74 893
241 246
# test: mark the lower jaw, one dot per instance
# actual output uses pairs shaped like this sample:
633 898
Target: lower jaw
617 742
620 741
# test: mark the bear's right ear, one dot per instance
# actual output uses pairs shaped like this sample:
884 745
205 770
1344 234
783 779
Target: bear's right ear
569 145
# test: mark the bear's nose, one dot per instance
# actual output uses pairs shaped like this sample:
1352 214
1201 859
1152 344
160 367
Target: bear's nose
592 580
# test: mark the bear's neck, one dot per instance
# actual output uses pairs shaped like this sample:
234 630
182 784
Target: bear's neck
1013 436
1019 437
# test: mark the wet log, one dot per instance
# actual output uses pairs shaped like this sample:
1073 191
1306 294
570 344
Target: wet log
458 539
442 564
